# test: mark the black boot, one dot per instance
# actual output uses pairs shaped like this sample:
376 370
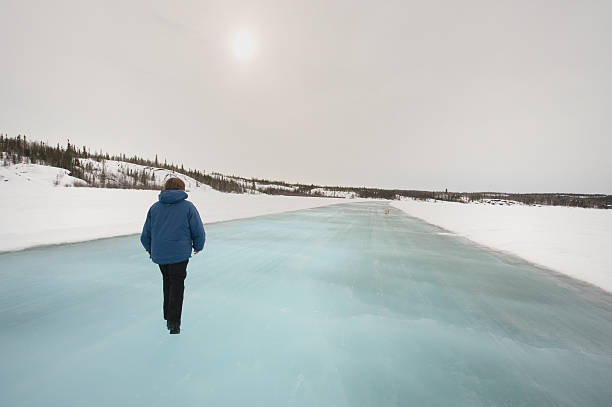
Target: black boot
175 328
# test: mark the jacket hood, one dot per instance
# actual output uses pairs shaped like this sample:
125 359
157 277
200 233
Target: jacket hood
171 196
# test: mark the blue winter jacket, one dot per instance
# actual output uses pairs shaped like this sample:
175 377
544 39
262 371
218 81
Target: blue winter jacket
173 227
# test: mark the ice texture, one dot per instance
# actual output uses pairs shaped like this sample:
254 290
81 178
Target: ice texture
334 306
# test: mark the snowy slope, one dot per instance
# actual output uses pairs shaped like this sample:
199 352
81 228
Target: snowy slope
36 176
573 241
116 173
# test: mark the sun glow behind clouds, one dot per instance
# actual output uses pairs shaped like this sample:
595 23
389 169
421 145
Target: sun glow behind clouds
243 45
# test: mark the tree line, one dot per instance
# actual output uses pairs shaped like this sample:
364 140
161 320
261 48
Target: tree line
19 149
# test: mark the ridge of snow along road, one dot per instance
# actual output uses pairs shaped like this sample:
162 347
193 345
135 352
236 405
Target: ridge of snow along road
574 241
40 206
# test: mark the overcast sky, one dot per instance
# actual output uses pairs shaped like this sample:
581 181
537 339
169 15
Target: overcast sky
464 95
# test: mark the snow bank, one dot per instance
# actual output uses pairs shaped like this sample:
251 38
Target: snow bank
573 241
33 211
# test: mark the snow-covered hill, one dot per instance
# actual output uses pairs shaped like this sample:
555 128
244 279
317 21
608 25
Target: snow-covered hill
27 175
120 174
110 173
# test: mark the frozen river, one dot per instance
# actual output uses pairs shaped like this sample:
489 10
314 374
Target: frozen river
335 306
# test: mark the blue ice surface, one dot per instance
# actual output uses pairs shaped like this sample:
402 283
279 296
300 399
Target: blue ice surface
335 306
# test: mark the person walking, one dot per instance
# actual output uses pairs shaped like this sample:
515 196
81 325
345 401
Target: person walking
173 227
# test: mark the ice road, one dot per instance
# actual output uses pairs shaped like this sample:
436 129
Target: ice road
334 306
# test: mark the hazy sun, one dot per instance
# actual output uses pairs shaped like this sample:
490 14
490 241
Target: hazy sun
243 45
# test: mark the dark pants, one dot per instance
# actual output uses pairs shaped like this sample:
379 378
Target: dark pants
174 286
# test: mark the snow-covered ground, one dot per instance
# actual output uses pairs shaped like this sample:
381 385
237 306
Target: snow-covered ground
573 241
34 211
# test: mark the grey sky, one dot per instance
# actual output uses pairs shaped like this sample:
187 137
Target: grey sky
465 95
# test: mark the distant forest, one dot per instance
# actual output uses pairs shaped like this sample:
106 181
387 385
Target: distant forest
19 149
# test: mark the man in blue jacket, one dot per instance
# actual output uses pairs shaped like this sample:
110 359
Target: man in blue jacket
173 227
